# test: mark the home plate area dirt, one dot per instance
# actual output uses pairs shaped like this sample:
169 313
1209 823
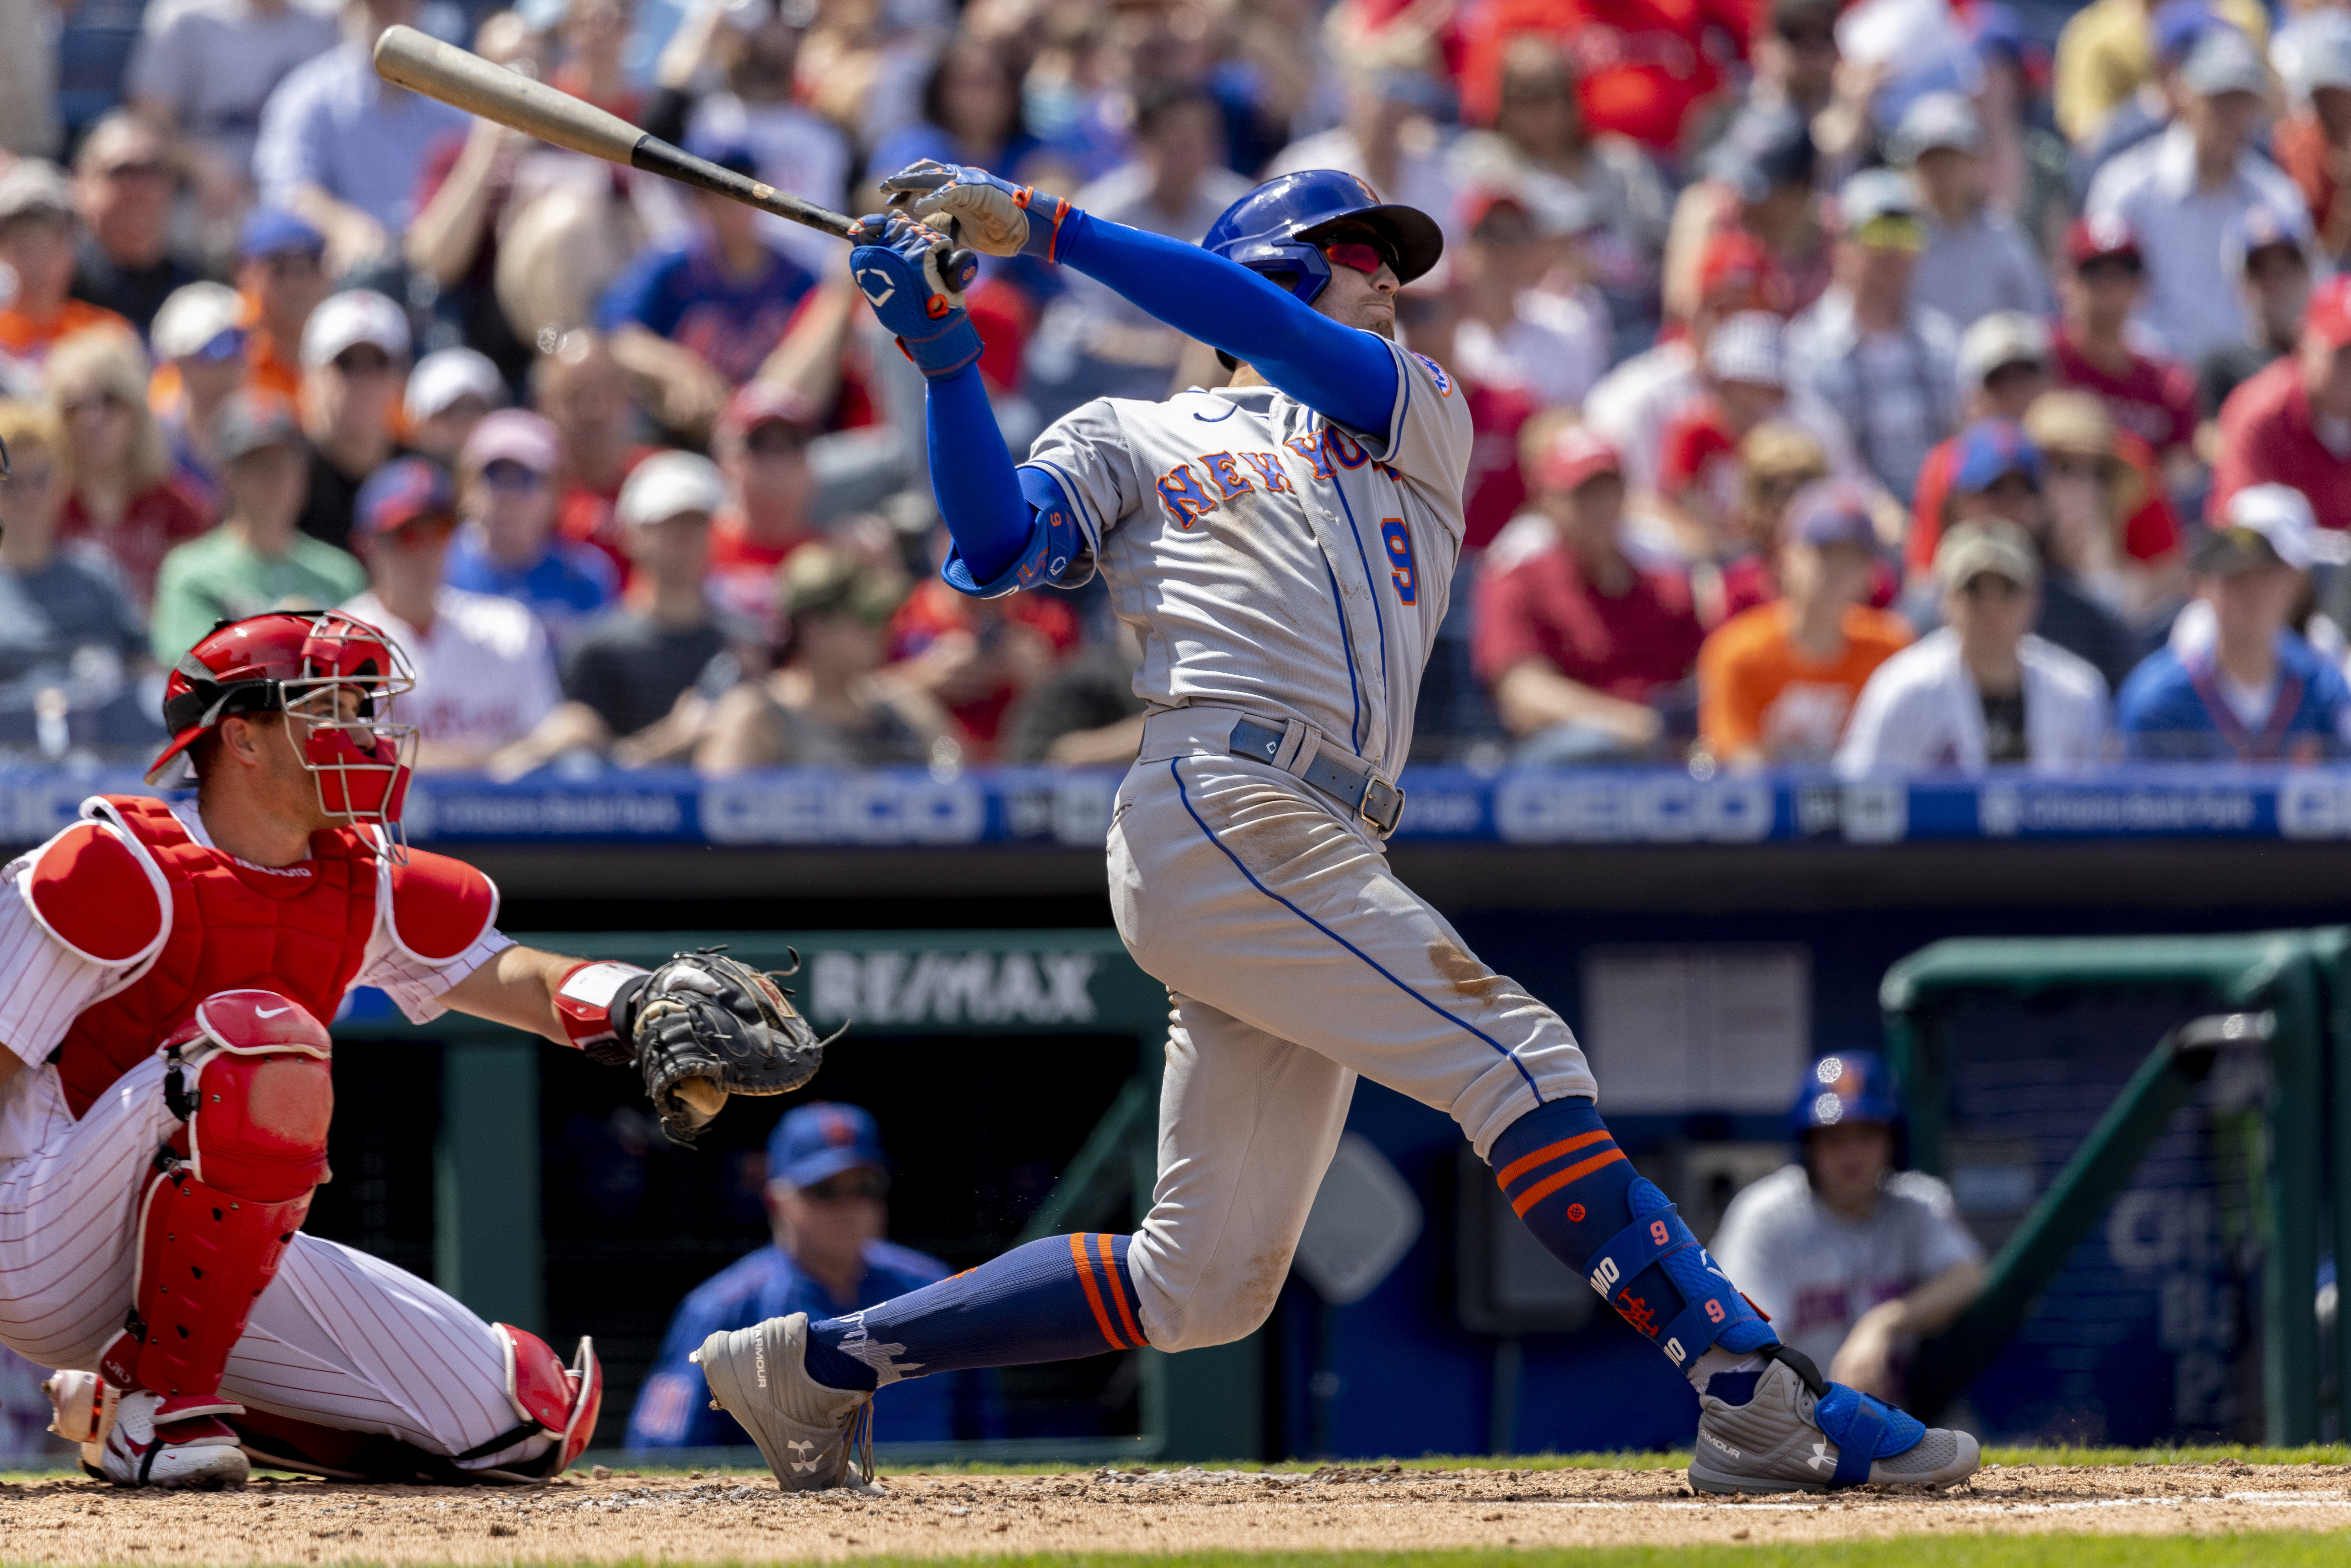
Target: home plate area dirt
583 1519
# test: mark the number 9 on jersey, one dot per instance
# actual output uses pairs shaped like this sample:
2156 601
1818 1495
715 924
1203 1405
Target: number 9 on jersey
1398 540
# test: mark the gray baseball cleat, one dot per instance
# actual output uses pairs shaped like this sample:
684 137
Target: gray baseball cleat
807 1431
1779 1441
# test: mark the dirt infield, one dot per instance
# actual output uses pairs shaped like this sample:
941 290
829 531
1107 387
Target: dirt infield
580 1519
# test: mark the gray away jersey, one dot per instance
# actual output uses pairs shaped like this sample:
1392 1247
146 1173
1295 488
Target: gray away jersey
1269 559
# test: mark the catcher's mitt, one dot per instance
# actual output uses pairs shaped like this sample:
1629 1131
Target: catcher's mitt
705 1016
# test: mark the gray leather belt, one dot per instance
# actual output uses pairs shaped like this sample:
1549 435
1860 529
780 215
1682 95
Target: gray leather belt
1342 775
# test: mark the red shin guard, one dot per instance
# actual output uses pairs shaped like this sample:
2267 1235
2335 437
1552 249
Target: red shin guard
229 1192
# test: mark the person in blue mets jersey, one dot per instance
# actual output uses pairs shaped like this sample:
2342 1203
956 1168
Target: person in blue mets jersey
1283 547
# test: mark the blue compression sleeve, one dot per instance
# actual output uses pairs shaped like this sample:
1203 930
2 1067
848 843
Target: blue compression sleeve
972 478
1340 371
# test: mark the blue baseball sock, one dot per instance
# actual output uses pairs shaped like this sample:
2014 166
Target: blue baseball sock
1565 1177
1053 1299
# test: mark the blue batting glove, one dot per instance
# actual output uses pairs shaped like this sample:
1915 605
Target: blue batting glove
898 271
991 214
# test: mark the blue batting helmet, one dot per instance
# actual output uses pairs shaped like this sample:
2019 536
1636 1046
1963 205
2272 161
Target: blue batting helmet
1274 228
1844 1086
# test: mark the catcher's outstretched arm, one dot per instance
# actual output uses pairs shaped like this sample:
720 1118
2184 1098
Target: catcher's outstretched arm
523 987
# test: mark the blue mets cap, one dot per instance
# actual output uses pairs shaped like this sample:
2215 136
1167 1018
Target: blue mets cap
403 491
1844 1086
821 1139
1831 512
1990 451
272 231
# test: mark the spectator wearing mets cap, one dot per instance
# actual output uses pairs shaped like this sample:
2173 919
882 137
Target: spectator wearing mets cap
1585 649
1776 682
2254 690
1870 349
2291 423
2180 191
826 1198
485 677
1854 1258
696 319
1977 260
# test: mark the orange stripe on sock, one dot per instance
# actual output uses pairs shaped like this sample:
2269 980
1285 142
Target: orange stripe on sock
1552 1183
1525 1163
1118 1292
1093 1292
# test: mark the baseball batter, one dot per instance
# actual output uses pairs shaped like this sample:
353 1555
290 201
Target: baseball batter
1283 547
165 1091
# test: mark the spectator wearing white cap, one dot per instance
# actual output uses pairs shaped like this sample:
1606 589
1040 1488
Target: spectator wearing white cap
354 352
2312 143
1513 331
1871 350
485 676
639 681
2179 191
1982 690
1977 260
2253 689
200 334
449 392
507 545
2269 253
1746 380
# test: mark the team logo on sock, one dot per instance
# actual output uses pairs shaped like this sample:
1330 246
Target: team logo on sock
874 1353
1638 1312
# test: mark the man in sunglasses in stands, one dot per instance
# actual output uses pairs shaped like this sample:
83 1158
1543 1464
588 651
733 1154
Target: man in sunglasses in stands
1284 549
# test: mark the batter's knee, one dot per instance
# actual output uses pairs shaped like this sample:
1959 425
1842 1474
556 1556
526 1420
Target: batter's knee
1185 1308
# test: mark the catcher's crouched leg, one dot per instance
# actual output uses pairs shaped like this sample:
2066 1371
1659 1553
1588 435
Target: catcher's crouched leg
249 1076
555 1408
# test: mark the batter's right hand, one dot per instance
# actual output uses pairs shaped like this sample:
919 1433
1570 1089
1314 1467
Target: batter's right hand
995 215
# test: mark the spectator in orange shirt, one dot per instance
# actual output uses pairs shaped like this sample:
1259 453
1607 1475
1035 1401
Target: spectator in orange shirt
1776 682
281 271
36 242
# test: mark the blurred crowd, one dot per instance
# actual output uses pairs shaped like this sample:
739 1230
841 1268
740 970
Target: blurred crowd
1893 384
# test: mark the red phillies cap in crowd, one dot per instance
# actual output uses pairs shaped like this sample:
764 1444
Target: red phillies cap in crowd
2329 312
2094 239
757 403
1575 455
1735 269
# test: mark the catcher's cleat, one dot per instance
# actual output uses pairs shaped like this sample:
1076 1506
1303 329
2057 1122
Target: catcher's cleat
120 1442
807 1431
1800 1433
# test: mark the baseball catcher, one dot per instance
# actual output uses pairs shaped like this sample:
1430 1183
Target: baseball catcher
165 1090
1284 547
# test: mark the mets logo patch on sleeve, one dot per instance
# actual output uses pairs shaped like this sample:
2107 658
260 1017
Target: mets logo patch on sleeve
1436 373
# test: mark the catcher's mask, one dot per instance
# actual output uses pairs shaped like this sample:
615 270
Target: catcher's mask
334 678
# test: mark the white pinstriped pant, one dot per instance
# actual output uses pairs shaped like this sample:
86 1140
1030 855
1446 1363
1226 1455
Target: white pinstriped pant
338 1338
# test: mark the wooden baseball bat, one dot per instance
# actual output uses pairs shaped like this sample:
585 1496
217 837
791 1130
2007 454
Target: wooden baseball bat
424 63
454 76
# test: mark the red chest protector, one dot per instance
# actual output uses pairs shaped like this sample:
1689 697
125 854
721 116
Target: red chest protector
301 933
127 887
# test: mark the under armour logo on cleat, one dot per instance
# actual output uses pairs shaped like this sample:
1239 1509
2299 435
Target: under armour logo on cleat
1822 1459
800 1447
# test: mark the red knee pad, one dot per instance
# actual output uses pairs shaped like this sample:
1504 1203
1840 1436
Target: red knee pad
560 1401
213 1225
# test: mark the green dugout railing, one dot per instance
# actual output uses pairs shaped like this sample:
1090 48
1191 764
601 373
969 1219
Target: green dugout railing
487 1247
2287 993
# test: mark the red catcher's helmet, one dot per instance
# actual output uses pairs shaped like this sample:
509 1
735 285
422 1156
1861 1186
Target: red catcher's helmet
300 663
